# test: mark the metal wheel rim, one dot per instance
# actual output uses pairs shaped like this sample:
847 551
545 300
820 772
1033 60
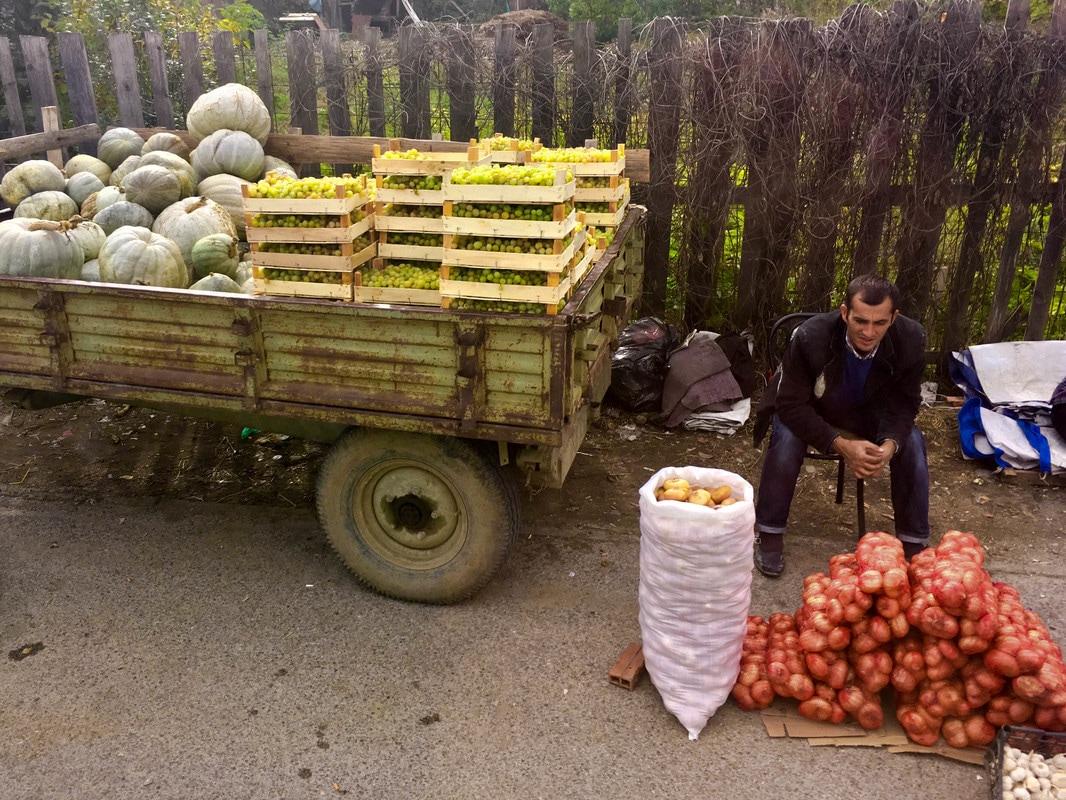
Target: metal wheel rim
410 514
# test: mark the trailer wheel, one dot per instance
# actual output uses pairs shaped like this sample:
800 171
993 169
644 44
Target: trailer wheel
414 516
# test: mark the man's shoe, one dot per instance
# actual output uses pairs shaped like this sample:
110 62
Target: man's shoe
769 564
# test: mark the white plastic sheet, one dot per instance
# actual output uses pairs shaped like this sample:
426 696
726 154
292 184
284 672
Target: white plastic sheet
695 593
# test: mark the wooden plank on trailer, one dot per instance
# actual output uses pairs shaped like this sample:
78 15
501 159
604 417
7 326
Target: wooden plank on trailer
127 88
39 72
191 67
12 102
264 78
225 65
157 71
80 94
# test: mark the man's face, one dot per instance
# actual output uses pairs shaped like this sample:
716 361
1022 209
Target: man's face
867 324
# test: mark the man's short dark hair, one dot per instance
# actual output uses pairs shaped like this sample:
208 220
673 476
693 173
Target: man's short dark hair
872 290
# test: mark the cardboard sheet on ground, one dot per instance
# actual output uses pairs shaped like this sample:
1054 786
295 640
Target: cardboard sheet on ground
782 720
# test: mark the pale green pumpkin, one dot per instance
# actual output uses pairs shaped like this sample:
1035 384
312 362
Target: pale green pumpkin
89 235
216 282
36 248
53 205
232 106
188 221
153 187
118 144
80 186
121 214
98 201
30 177
232 152
85 163
135 255
168 142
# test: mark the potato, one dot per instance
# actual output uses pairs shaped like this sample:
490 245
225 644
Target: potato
675 494
676 483
720 494
700 497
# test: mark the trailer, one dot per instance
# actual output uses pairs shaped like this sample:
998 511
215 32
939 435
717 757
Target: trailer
433 415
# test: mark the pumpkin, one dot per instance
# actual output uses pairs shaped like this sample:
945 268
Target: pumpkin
37 248
56 206
280 166
89 235
176 164
188 221
232 106
244 273
216 282
135 255
124 169
98 201
153 187
83 184
166 142
225 189
90 270
85 163
216 252
30 177
233 152
121 214
118 144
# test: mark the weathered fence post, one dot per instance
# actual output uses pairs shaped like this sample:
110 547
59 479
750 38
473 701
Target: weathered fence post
157 72
79 83
263 74
39 73
303 106
583 116
12 101
192 69
414 83
623 89
127 88
461 85
340 120
925 213
375 86
503 80
543 83
664 122
225 64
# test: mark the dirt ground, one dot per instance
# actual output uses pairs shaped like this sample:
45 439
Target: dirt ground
92 450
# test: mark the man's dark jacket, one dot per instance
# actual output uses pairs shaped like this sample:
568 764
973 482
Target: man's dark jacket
812 368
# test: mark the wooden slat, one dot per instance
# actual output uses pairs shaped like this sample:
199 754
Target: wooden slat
12 102
375 87
543 89
33 143
127 88
581 118
461 84
225 65
263 76
157 71
39 73
414 83
192 69
504 80
79 83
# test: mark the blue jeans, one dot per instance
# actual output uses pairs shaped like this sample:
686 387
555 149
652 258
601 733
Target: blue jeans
909 472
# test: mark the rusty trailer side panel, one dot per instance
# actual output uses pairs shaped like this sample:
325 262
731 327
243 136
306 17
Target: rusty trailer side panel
277 363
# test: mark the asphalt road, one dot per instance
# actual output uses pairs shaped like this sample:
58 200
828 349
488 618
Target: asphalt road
177 649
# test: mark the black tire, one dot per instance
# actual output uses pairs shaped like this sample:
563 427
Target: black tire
417 517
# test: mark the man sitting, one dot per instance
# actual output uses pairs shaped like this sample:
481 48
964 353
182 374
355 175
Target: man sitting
849 383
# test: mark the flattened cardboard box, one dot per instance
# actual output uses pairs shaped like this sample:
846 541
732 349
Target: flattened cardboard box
784 720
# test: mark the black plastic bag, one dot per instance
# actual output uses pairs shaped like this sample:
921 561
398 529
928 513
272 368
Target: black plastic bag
638 366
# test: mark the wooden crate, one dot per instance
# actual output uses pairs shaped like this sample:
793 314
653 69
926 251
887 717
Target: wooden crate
559 261
560 227
430 163
616 166
385 222
407 197
392 295
338 235
611 218
283 288
559 192
614 193
507 150
304 261
407 252
549 296
336 206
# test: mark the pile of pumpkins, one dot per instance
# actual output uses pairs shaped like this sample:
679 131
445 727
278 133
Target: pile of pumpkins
149 212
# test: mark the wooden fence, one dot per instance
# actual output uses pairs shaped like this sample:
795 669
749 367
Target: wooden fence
777 158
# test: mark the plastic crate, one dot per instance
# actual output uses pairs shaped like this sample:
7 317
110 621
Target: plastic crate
1028 740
